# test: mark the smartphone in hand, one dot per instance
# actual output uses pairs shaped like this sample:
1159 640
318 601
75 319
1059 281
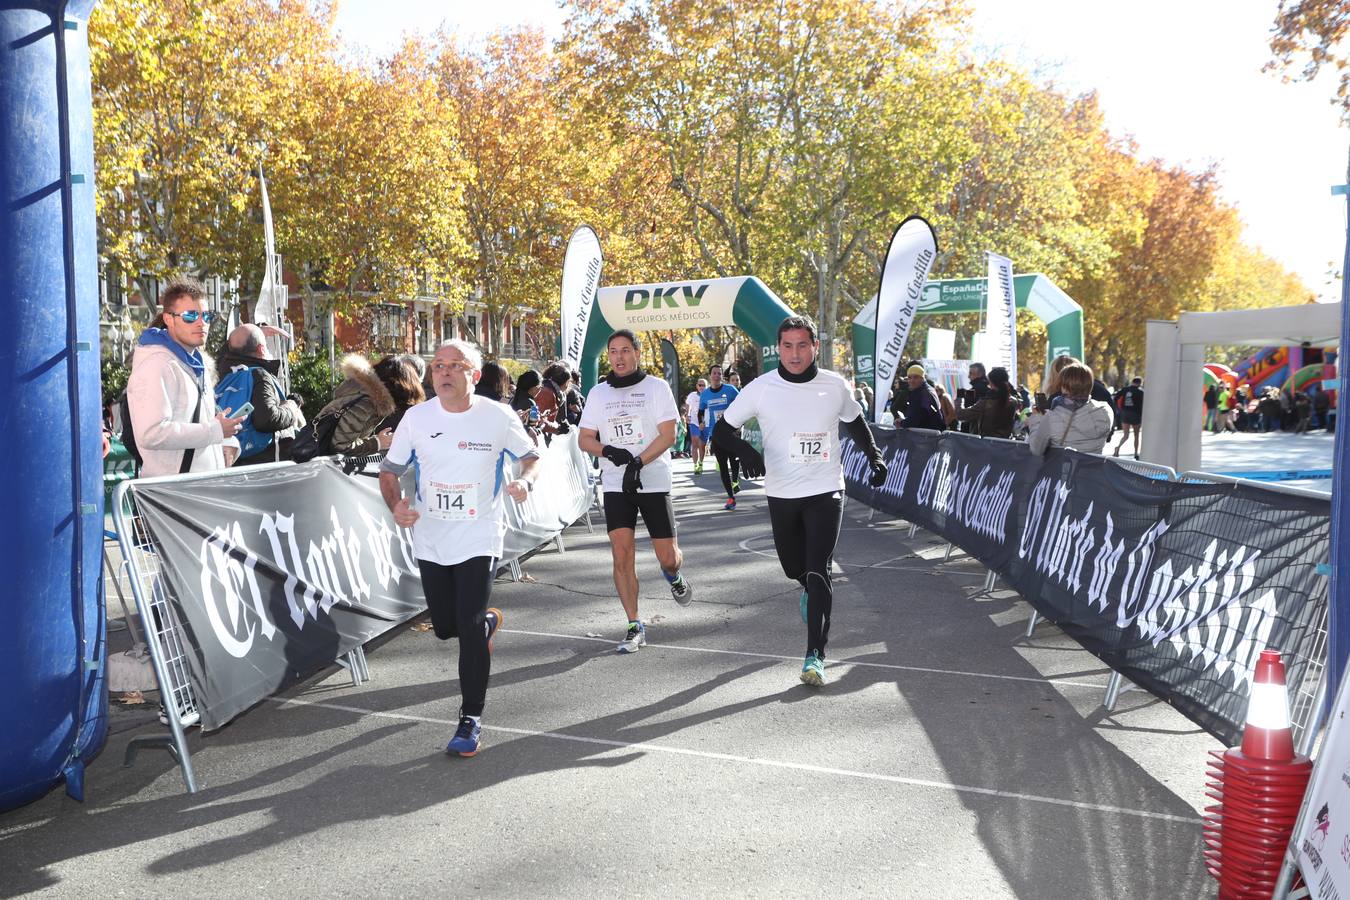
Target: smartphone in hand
245 410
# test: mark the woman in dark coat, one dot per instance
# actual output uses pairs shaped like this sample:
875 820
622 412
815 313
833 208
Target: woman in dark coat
995 412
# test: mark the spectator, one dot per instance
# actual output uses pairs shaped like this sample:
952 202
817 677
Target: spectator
1100 391
1268 411
995 412
272 413
1303 408
1131 414
922 408
170 394
1240 418
900 394
523 402
404 385
575 401
551 399
1321 402
367 403
1079 422
1227 403
417 364
494 383
1212 408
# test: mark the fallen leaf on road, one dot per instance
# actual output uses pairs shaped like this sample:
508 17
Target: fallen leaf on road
422 626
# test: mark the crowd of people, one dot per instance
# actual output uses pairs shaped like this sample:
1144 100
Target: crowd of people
1239 408
1076 409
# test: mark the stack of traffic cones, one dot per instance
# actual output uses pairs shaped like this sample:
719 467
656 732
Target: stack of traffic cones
1259 788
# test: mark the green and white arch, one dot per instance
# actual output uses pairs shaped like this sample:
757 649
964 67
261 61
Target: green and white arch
744 302
1062 316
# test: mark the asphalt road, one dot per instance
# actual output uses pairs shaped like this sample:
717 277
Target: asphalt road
948 756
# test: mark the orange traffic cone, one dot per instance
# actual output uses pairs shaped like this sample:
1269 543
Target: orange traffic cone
1268 734
1259 788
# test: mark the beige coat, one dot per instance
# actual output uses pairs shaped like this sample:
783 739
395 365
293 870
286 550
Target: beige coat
1085 429
160 395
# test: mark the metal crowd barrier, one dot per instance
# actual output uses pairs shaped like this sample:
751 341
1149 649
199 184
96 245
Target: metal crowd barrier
1307 706
164 634
117 575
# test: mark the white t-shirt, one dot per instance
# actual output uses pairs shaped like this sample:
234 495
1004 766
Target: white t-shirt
628 417
691 407
460 460
800 424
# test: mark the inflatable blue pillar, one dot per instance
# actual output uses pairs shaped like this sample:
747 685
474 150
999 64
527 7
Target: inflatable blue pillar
53 697
1338 646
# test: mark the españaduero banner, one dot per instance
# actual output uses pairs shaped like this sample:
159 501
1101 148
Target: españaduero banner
1177 586
274 573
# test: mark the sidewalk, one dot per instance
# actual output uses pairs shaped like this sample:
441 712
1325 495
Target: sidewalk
947 757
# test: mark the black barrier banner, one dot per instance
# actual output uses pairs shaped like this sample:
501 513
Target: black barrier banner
274 574
1177 586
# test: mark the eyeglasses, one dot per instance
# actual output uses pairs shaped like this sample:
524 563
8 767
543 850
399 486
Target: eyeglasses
192 315
452 366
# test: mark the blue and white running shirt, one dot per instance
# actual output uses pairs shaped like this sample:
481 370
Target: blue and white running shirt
461 463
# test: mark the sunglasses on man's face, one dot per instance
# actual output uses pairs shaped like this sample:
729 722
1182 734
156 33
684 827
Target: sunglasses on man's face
192 315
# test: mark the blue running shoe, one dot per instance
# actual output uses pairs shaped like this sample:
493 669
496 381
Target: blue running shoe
803 604
467 737
730 504
813 670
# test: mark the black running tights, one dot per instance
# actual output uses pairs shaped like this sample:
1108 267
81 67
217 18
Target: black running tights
728 467
458 598
805 530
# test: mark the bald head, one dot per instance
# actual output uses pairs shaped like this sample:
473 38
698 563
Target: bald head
248 340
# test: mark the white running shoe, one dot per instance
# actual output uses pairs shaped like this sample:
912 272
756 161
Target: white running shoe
682 591
636 637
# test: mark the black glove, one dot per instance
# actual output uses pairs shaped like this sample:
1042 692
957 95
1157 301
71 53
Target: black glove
617 455
632 477
878 473
752 462
562 427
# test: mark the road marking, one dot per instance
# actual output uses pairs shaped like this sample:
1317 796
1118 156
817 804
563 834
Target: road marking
833 664
759 761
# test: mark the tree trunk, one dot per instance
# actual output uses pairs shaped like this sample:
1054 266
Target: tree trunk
822 304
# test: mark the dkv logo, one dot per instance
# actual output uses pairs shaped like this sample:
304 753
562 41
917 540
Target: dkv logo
672 296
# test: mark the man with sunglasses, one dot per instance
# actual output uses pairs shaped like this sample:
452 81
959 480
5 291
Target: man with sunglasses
171 392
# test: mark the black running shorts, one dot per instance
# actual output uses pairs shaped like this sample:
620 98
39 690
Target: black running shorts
621 511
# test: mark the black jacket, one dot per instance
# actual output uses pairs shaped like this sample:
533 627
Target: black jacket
270 413
923 410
